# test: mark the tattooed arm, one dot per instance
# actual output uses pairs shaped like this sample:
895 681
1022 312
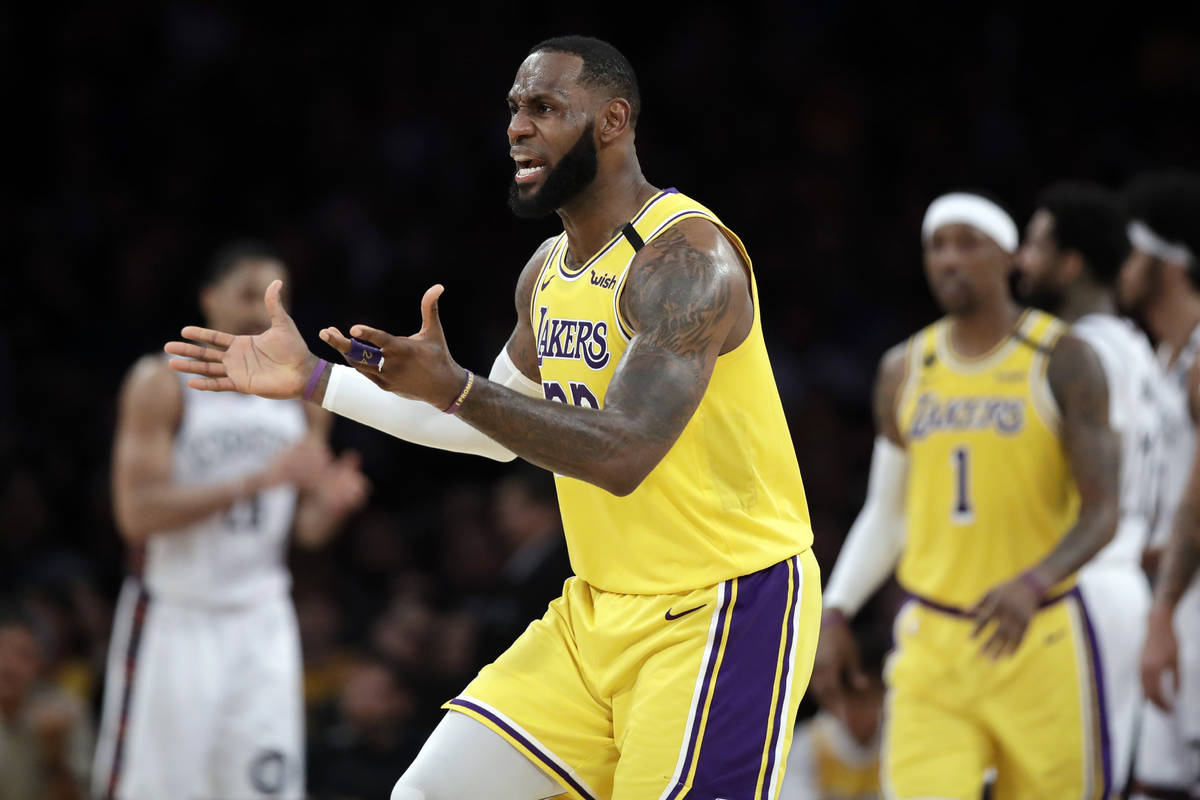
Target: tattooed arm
1094 450
1180 561
688 299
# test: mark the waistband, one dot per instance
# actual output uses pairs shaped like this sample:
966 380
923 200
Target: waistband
956 611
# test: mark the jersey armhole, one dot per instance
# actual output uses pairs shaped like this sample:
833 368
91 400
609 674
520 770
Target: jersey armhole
914 356
538 281
1040 393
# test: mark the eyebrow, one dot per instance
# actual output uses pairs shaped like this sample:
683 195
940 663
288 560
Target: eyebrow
542 94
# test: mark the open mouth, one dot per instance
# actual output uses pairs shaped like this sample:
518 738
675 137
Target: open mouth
528 168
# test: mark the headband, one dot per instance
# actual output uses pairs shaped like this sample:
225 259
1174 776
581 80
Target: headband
1144 239
978 212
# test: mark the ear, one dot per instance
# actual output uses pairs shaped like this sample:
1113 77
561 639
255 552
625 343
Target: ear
1072 266
208 301
615 120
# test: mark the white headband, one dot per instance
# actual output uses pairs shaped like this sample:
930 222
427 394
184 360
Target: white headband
973 210
1149 242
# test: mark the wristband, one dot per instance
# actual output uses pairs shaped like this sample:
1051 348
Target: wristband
314 379
1034 582
466 390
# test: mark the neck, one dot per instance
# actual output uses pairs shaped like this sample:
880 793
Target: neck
1173 317
592 218
978 331
1086 298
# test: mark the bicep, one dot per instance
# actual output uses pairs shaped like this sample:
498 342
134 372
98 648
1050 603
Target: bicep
149 411
683 302
1081 390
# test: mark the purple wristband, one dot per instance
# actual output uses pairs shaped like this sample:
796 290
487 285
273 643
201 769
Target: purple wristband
314 379
1034 582
462 396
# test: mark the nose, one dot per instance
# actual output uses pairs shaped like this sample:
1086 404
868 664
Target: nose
519 127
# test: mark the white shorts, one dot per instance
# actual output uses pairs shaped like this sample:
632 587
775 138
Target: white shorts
1169 744
201 703
1118 597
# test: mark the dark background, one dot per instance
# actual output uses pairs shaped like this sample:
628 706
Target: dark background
369 145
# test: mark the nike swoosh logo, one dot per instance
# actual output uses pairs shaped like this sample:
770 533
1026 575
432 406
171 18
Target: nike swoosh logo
547 283
671 616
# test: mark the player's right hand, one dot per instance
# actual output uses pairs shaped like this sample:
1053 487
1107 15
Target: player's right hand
300 465
837 667
276 363
1160 658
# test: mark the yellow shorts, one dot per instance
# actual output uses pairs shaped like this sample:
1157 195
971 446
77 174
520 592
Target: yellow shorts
645 697
1037 716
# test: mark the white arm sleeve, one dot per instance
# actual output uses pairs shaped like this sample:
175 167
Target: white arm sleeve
876 539
352 395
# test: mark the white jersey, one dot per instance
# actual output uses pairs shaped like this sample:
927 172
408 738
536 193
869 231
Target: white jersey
1180 433
1136 398
234 557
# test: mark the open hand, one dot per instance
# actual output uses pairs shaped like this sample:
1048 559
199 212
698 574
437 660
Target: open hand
341 486
417 366
837 667
276 363
1010 606
1160 659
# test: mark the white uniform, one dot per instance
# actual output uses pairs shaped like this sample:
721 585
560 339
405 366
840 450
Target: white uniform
203 697
1169 744
1113 583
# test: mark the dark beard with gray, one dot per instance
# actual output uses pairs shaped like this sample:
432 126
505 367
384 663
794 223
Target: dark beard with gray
573 173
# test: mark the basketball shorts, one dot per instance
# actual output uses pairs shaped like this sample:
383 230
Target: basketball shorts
1037 716
630 697
201 703
1118 599
1168 758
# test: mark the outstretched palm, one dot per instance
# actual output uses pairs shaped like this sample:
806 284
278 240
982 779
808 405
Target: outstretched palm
275 363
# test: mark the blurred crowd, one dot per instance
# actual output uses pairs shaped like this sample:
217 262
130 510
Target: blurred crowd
371 152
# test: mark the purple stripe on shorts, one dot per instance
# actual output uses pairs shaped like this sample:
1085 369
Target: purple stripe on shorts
781 715
735 736
709 666
141 606
1098 677
543 757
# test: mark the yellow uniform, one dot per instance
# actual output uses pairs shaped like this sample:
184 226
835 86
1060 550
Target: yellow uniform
674 662
990 493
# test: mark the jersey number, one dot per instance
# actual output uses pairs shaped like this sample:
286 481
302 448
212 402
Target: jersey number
963 511
245 515
581 395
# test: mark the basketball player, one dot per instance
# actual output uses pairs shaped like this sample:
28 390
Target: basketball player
1159 285
673 664
994 478
1074 246
203 694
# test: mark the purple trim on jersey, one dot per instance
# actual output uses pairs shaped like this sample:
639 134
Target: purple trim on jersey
542 756
618 238
955 611
131 654
1098 677
751 687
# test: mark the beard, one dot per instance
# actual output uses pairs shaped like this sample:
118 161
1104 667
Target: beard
573 173
1148 293
1046 298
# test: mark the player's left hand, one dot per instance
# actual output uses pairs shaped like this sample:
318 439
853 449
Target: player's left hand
417 366
1008 608
342 487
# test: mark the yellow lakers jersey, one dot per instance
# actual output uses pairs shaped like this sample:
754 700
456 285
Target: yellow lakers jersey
990 491
844 769
727 499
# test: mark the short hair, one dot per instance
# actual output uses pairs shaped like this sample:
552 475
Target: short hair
604 67
233 254
1088 219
